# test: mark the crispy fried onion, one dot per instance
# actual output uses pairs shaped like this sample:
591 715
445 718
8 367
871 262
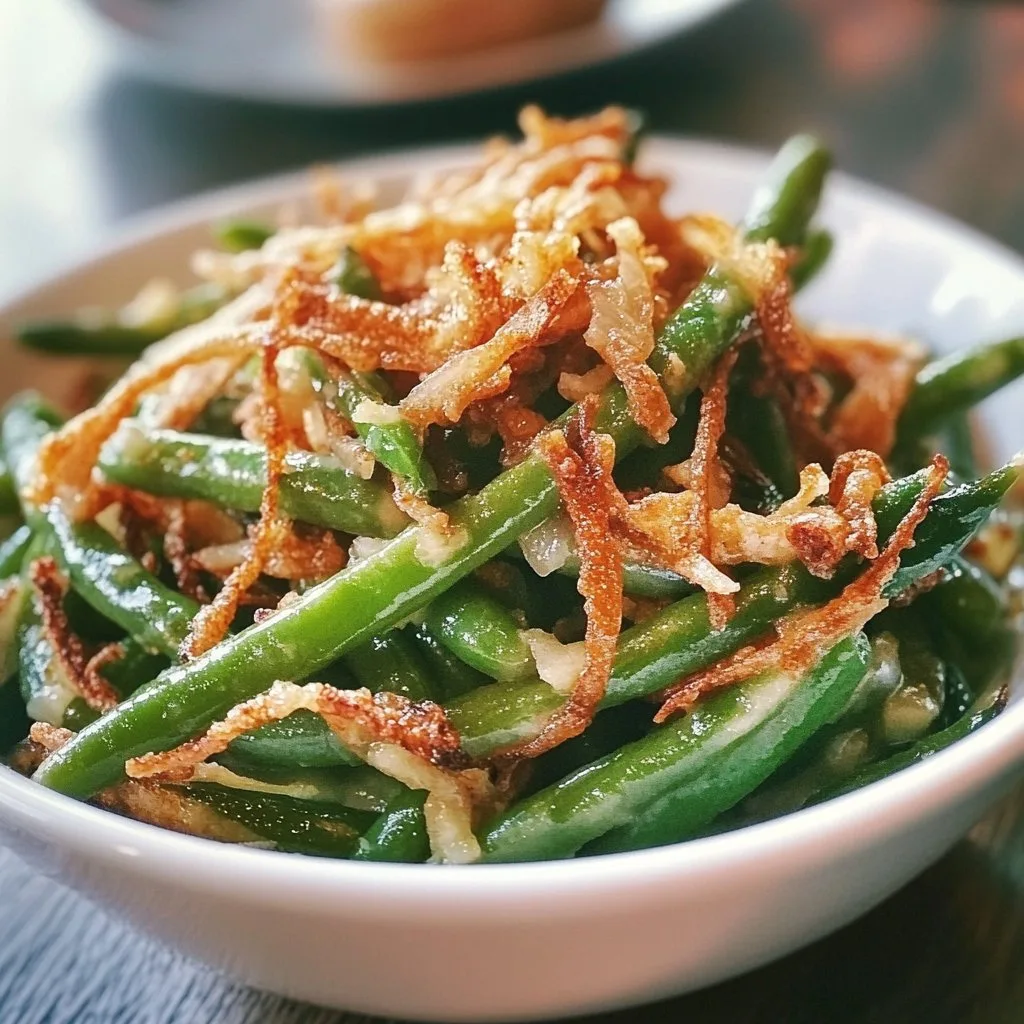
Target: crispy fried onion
802 396
81 672
581 462
189 391
413 742
483 372
657 526
313 554
163 806
705 469
882 372
817 535
214 620
761 268
856 479
66 458
675 530
438 538
42 740
176 551
467 294
476 208
802 638
514 421
755 266
621 328
574 387
176 403
173 809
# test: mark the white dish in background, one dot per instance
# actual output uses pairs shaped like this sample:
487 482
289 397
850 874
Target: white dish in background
270 50
534 940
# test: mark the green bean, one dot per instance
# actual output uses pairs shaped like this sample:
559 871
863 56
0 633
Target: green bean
958 382
100 333
117 585
954 517
362 398
683 812
638 580
13 551
959 696
675 642
294 826
390 663
14 722
354 277
679 777
755 421
921 750
451 674
48 691
481 631
636 122
314 488
787 197
610 729
303 740
817 249
241 234
374 594
360 788
927 691
971 626
836 750
641 580
105 575
9 504
836 758
12 602
399 835
912 709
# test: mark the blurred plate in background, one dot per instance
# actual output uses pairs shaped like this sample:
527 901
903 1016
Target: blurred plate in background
277 50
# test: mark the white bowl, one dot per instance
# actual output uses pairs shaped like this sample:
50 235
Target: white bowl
537 940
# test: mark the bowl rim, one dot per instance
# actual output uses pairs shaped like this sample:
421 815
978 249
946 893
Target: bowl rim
270 878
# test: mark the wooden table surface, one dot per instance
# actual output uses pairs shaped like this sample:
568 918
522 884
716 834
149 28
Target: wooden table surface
924 98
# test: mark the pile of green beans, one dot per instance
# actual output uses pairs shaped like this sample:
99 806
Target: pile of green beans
464 632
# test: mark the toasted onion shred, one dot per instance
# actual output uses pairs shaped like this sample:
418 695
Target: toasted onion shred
413 742
582 470
804 637
621 329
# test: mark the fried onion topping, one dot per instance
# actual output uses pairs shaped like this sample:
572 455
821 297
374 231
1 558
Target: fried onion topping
581 462
802 638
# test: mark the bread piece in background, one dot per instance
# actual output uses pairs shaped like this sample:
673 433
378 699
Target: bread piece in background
409 30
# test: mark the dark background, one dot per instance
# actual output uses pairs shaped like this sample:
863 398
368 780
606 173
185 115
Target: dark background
925 98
